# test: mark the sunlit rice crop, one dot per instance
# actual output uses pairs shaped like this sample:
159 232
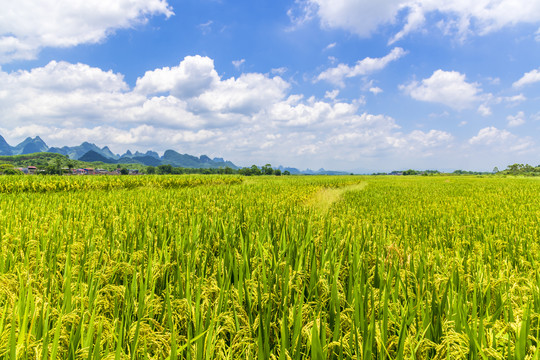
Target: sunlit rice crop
212 267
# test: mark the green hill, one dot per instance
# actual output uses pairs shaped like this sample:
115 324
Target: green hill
92 156
42 159
45 159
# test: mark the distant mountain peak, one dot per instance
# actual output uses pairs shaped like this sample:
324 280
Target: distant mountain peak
152 154
29 146
5 149
205 158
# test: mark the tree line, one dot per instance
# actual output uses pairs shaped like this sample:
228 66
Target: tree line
521 169
254 170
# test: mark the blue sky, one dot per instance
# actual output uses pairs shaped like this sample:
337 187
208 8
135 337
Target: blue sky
351 85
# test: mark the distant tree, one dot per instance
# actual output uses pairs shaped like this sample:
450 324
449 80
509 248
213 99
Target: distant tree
50 170
267 169
54 167
245 171
164 169
515 168
150 170
495 170
277 172
70 165
255 170
286 172
8 169
58 165
124 171
228 170
12 171
521 169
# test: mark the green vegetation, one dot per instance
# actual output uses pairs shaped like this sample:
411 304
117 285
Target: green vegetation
435 172
170 170
56 164
228 267
41 160
51 163
9 169
254 170
42 184
465 172
520 169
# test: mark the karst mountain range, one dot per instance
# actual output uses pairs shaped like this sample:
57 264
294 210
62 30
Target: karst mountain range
90 152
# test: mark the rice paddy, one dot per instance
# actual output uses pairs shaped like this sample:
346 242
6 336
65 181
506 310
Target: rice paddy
225 267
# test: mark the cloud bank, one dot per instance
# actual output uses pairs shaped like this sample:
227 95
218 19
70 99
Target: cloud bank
190 107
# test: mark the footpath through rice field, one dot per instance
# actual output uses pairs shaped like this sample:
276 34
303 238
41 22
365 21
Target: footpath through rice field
195 267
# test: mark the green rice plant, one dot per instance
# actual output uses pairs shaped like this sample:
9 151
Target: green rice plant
221 267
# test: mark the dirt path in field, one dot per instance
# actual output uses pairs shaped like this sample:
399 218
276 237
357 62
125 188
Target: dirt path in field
323 199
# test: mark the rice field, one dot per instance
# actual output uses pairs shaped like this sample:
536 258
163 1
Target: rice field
225 267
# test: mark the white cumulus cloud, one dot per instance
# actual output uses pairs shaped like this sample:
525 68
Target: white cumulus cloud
193 76
62 93
415 19
247 94
27 26
491 135
336 75
516 120
491 141
445 87
330 46
484 110
65 77
430 139
515 99
531 77
279 71
332 94
364 17
238 63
